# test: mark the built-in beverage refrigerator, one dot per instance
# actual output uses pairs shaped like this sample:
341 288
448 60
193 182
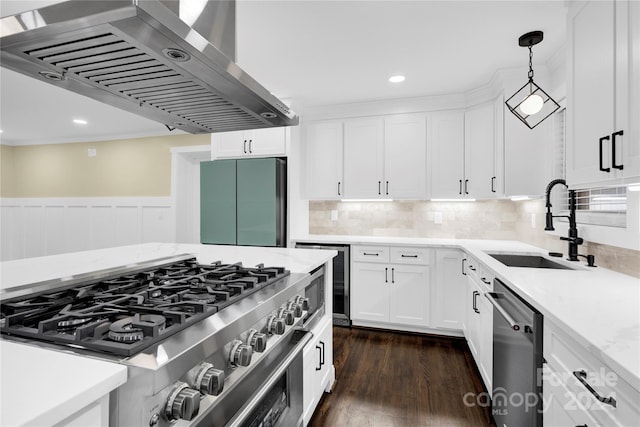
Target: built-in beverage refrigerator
243 202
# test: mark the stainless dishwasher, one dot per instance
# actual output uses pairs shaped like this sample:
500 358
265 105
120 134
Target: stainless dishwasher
517 360
341 310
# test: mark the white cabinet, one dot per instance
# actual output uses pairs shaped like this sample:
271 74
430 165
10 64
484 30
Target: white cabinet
463 153
323 160
603 136
363 158
390 293
270 142
318 367
479 320
449 289
584 386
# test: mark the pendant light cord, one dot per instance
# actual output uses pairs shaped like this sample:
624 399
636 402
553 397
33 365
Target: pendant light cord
530 74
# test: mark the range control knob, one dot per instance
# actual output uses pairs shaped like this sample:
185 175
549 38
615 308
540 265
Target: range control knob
295 308
210 380
303 301
287 315
275 325
240 354
257 340
183 403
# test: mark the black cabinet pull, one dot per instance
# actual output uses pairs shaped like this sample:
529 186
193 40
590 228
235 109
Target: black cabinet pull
387 188
408 256
463 261
369 254
613 150
244 146
393 276
485 281
604 138
386 277
466 183
339 188
493 182
322 354
250 152
460 192
319 367
379 191
472 268
475 295
582 377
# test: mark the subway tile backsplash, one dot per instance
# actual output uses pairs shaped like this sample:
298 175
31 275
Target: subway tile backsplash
488 219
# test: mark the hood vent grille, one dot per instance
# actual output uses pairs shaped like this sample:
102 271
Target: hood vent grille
139 56
108 62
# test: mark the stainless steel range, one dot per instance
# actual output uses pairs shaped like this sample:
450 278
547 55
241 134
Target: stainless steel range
214 344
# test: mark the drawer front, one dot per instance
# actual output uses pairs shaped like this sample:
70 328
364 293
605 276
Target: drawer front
370 253
561 408
581 371
419 256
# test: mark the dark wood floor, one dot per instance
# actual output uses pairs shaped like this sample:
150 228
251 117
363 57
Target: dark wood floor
396 379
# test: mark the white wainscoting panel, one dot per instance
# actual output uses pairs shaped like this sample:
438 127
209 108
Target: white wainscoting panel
32 227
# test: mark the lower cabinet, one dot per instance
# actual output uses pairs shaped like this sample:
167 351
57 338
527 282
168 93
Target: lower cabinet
479 323
317 359
580 388
390 286
448 290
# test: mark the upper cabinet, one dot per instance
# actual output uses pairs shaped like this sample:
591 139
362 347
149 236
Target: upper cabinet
378 157
323 157
463 153
603 136
270 142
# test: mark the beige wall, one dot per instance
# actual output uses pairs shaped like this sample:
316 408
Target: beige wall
122 168
489 219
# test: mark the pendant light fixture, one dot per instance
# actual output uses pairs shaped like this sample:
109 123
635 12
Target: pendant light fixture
530 103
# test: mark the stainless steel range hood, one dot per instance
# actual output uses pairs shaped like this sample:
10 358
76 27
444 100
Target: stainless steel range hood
141 56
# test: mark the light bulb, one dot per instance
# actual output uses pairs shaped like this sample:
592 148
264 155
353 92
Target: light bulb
532 104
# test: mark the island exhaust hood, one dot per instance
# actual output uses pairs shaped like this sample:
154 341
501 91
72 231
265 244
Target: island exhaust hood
171 61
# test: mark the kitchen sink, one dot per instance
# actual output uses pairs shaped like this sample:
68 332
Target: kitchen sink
528 261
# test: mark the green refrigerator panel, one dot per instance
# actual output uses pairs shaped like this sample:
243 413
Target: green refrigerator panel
218 202
259 200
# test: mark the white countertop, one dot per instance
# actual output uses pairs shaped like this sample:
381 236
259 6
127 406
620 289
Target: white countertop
41 386
597 307
38 388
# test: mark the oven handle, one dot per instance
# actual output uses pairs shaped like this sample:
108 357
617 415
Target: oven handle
518 327
247 409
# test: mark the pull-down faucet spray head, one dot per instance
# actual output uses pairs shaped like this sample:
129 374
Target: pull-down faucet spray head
549 216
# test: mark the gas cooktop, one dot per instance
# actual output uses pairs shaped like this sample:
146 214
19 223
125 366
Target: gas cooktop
130 309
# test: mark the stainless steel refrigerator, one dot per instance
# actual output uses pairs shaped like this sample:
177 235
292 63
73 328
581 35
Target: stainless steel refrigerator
244 202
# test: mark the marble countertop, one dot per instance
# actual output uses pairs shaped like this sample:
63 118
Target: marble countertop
597 307
61 383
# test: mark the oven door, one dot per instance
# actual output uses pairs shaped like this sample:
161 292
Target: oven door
270 396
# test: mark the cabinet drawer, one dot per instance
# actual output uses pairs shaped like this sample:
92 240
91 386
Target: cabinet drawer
370 253
421 256
567 357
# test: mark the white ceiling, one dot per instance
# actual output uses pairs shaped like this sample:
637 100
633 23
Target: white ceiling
320 53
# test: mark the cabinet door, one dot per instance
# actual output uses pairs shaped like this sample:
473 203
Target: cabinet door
218 202
228 145
447 154
370 292
405 156
486 337
409 290
473 319
266 142
449 290
363 158
591 89
479 151
323 144
317 359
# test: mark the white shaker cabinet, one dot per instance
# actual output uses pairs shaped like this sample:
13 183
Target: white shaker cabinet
405 156
323 160
603 129
449 289
317 360
363 158
479 148
390 286
270 142
446 139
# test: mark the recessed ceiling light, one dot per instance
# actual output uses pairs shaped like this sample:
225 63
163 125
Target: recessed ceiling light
396 79
79 121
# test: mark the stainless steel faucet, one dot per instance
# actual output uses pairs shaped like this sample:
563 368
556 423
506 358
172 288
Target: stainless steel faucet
573 239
